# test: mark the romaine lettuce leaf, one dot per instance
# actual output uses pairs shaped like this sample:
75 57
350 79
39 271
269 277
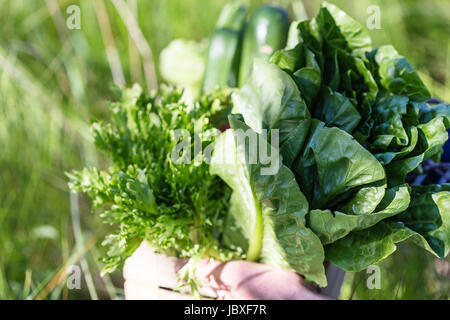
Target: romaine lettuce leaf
268 211
333 226
342 30
333 164
429 215
376 96
270 100
426 222
398 76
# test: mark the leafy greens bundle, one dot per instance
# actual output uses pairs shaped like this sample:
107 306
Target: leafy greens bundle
352 123
179 208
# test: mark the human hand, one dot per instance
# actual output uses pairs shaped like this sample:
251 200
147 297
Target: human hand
149 275
245 280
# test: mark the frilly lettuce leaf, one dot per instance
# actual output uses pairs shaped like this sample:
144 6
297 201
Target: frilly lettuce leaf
179 208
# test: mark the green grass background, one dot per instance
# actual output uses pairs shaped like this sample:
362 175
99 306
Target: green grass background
54 81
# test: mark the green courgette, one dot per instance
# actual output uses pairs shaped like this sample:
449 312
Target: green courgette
265 33
222 65
222 55
232 16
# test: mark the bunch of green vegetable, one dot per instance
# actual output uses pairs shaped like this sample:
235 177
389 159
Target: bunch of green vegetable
352 122
177 205
227 58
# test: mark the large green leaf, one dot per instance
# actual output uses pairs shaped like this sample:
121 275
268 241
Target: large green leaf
270 100
336 110
333 226
429 215
426 222
301 64
245 216
361 249
342 30
330 56
428 113
398 76
431 138
333 164
268 211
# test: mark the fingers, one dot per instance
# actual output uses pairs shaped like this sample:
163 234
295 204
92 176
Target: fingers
207 267
209 273
149 268
232 273
233 279
249 280
146 273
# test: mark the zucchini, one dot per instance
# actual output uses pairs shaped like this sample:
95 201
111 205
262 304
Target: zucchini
266 32
222 63
222 56
232 16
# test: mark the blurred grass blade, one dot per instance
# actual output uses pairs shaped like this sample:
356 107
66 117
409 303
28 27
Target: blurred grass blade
76 224
45 287
110 45
141 43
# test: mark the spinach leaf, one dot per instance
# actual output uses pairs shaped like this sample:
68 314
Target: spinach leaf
429 215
